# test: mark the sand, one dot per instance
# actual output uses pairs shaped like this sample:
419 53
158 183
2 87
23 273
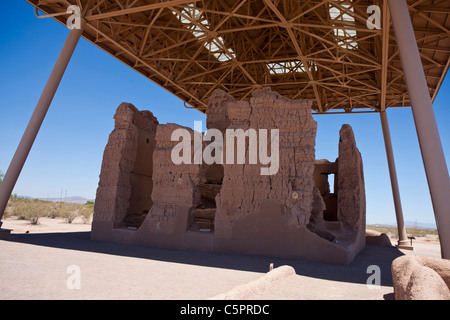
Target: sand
46 225
35 265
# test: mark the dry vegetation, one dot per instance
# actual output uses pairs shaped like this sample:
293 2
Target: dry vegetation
391 231
33 209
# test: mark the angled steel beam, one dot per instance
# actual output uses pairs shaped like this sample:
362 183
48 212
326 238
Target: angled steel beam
138 9
21 154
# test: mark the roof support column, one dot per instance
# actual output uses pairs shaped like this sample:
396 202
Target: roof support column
21 154
402 237
427 131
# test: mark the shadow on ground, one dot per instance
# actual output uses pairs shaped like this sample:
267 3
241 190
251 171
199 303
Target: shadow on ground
356 272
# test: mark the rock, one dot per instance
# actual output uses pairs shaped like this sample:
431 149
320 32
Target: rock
257 287
421 278
375 238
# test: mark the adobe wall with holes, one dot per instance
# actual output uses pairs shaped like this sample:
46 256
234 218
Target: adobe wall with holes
125 185
231 207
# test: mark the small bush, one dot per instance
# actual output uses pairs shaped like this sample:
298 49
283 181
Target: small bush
21 208
27 209
86 213
53 210
34 217
69 212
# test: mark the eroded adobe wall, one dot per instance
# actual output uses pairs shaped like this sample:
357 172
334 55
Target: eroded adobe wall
244 189
275 215
217 111
125 183
351 196
344 215
175 186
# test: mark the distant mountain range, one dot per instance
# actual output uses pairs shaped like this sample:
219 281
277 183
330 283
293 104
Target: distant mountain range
410 224
418 224
73 199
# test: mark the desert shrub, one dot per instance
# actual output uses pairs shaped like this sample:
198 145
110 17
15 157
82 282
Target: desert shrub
37 210
8 210
69 212
71 215
53 210
86 212
21 208
392 232
26 209
33 216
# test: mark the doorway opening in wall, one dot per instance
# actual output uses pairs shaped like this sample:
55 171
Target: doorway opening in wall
331 177
204 212
326 181
330 198
141 182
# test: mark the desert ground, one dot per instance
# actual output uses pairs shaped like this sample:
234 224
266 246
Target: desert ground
38 260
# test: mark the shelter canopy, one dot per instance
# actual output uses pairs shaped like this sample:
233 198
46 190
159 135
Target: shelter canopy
318 50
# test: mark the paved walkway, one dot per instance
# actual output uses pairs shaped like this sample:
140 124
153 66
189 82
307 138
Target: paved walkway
52 265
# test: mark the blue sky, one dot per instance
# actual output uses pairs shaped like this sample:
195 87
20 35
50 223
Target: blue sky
68 151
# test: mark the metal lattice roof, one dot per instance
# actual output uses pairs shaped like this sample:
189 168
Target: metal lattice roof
318 50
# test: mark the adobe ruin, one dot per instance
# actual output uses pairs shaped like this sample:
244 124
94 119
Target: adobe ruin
144 198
